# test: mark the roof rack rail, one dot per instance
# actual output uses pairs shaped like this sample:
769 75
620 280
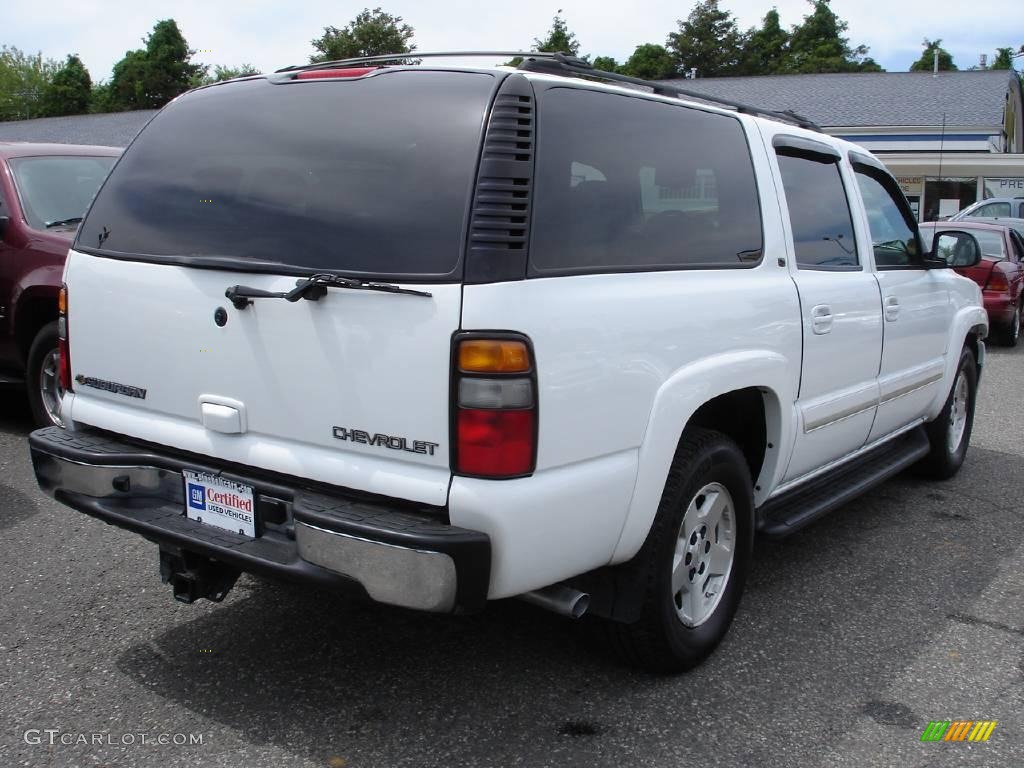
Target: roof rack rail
557 63
561 63
342 63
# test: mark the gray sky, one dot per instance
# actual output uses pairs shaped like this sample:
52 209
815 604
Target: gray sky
272 34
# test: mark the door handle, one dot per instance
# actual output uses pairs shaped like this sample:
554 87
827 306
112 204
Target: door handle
892 308
821 319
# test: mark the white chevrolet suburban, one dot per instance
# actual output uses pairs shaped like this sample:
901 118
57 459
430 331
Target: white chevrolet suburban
443 335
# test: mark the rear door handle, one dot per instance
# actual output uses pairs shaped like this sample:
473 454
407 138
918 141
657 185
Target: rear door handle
821 319
892 308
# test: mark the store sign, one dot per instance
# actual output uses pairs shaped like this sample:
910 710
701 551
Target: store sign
911 185
1004 187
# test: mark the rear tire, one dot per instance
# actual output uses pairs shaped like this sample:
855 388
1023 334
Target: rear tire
1010 335
43 378
950 432
696 557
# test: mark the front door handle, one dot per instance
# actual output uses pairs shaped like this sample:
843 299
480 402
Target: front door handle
821 319
892 308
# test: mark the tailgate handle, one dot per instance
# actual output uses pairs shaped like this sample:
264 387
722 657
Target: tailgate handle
222 415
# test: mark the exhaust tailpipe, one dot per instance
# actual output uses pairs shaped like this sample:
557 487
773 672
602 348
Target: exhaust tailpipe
559 599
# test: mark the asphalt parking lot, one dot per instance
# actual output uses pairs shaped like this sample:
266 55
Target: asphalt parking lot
904 607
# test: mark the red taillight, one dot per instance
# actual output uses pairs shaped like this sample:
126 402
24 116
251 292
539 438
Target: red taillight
997 281
495 407
316 74
63 354
495 443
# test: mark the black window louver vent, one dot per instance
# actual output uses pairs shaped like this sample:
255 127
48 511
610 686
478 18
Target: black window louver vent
499 228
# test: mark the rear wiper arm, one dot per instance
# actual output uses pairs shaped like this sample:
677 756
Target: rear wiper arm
64 222
313 288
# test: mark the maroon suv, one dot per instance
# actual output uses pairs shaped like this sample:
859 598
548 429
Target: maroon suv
44 192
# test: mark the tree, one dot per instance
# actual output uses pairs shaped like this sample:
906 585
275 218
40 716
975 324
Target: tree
708 41
221 72
650 61
24 79
766 50
818 45
70 90
149 78
927 61
559 39
1003 59
606 64
371 33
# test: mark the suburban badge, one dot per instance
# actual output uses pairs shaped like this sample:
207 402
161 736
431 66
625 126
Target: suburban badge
111 386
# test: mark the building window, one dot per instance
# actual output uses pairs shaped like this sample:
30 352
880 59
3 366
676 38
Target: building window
948 195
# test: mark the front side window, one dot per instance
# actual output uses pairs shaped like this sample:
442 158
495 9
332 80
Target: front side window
819 212
57 188
893 231
627 183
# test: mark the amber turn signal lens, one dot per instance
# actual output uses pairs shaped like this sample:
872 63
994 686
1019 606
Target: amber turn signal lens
62 299
493 356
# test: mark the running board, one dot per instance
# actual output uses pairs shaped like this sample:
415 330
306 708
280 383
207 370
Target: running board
804 504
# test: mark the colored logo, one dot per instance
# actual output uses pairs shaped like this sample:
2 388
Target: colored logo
958 730
196 496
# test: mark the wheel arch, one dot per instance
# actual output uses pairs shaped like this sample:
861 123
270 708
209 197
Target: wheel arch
35 309
742 394
969 328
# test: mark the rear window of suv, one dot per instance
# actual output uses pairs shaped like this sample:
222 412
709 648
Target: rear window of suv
367 176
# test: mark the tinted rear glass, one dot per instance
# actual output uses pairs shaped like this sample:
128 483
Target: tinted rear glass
626 183
368 176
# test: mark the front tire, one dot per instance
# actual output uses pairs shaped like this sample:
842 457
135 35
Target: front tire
696 557
43 378
950 432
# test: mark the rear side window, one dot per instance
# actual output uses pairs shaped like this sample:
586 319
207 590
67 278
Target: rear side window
367 176
819 212
993 210
625 183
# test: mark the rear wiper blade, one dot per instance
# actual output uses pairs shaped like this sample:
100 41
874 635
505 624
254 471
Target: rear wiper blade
313 288
64 222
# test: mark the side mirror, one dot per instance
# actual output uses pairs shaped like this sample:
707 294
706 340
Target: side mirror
954 248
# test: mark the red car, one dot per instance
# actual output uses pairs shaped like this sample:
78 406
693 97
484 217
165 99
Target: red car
1000 273
45 190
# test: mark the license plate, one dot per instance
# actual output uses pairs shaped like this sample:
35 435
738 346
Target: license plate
222 503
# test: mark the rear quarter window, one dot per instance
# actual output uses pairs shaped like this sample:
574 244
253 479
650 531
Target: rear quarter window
625 183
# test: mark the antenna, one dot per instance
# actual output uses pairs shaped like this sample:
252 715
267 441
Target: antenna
942 144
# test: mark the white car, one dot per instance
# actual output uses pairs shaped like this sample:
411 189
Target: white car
446 335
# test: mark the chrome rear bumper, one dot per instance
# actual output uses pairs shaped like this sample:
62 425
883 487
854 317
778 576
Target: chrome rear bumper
391 552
